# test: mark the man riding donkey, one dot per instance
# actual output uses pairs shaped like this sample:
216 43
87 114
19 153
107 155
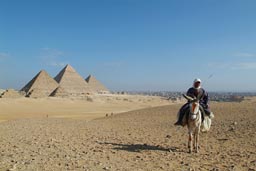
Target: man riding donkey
196 92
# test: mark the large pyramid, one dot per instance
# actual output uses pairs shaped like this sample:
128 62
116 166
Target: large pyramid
96 85
42 85
71 82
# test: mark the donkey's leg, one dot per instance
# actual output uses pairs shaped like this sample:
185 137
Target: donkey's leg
194 140
197 140
190 141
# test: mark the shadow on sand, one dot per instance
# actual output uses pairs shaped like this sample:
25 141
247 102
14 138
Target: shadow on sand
140 147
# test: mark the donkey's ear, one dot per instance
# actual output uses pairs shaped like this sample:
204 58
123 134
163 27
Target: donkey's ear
187 97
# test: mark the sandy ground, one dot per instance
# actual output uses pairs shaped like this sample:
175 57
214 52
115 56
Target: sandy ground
88 109
143 140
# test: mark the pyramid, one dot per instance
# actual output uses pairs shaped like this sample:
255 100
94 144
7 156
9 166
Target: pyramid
11 93
96 85
1 91
42 85
71 82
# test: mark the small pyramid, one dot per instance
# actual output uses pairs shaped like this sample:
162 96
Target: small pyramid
42 85
72 82
96 85
11 93
1 91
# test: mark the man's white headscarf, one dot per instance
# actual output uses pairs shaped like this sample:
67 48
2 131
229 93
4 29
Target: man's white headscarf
195 81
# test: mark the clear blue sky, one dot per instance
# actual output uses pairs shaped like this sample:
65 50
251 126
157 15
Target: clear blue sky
132 44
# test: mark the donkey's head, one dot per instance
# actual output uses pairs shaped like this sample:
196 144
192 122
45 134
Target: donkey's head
194 106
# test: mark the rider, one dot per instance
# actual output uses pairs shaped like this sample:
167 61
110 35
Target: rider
201 94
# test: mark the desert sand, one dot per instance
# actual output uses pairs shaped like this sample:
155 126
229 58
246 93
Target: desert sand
72 138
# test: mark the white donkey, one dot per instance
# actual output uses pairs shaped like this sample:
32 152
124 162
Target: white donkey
194 122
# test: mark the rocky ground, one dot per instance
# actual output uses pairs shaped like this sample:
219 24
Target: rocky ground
139 140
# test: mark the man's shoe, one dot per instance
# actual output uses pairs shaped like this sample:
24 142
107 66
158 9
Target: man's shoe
178 123
211 115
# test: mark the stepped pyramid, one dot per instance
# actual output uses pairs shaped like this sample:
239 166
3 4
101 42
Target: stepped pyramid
42 85
96 85
71 82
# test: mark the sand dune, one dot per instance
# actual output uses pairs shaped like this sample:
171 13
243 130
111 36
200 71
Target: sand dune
144 139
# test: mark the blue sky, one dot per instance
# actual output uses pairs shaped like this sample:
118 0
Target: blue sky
131 44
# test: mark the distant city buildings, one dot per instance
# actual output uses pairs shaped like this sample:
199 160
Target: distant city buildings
214 96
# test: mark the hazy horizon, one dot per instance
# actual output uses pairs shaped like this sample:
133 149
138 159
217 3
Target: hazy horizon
132 45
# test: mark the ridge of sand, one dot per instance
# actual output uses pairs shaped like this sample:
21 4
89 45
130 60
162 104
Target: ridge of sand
92 107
